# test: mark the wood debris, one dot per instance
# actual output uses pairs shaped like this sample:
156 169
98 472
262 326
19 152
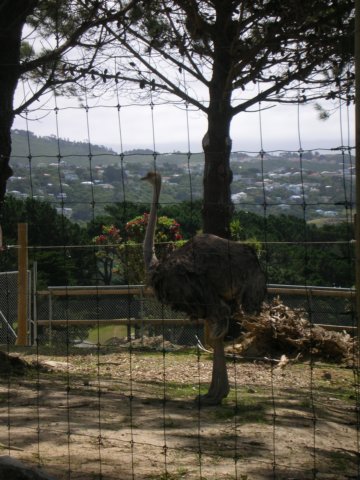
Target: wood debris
282 362
282 332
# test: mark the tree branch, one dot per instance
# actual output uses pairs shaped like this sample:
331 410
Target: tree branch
167 84
72 41
180 65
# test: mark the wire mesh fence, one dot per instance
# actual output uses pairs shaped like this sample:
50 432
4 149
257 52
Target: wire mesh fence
9 306
69 314
84 400
126 409
116 396
70 317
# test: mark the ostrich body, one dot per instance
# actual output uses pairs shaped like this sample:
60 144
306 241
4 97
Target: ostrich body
208 278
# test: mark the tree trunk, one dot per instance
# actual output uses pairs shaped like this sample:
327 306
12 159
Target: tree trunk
217 208
13 14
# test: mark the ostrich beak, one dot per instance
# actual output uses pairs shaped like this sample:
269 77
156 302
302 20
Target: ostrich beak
149 176
152 177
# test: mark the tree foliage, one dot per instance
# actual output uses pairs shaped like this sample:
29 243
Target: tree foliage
286 47
49 234
292 251
63 46
298 253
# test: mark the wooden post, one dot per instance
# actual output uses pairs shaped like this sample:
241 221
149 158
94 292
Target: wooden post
22 338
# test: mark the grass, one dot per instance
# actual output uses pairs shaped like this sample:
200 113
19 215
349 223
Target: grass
327 380
104 333
178 475
249 408
184 390
180 355
340 461
344 393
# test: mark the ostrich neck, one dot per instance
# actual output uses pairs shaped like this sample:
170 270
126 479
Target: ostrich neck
149 241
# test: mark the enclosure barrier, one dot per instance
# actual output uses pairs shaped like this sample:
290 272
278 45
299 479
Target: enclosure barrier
97 306
14 305
134 306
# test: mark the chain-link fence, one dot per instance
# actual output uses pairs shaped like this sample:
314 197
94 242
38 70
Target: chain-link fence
9 306
321 305
107 315
77 314
71 314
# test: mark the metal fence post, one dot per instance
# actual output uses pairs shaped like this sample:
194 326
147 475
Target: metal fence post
50 317
34 309
22 308
142 315
357 160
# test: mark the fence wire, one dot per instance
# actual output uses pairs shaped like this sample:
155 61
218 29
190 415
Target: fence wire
110 402
119 402
71 317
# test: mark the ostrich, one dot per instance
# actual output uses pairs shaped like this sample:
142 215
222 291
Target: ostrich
208 278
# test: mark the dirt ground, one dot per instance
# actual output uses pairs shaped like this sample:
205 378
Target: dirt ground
115 415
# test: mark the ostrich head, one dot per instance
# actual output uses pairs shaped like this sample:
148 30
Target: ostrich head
154 178
150 259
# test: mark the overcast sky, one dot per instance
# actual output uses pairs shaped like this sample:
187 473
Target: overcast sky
282 127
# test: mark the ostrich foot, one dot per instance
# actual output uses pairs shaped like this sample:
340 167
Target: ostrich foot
212 397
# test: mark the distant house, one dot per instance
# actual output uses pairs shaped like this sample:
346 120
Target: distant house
326 213
330 213
15 193
295 188
237 197
67 212
106 186
71 177
296 198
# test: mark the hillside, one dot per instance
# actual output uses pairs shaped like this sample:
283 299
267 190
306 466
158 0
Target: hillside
46 150
74 176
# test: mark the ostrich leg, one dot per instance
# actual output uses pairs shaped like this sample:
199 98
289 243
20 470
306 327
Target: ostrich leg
219 387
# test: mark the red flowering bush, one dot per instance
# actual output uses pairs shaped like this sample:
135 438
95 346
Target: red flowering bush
167 238
110 235
167 229
125 258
